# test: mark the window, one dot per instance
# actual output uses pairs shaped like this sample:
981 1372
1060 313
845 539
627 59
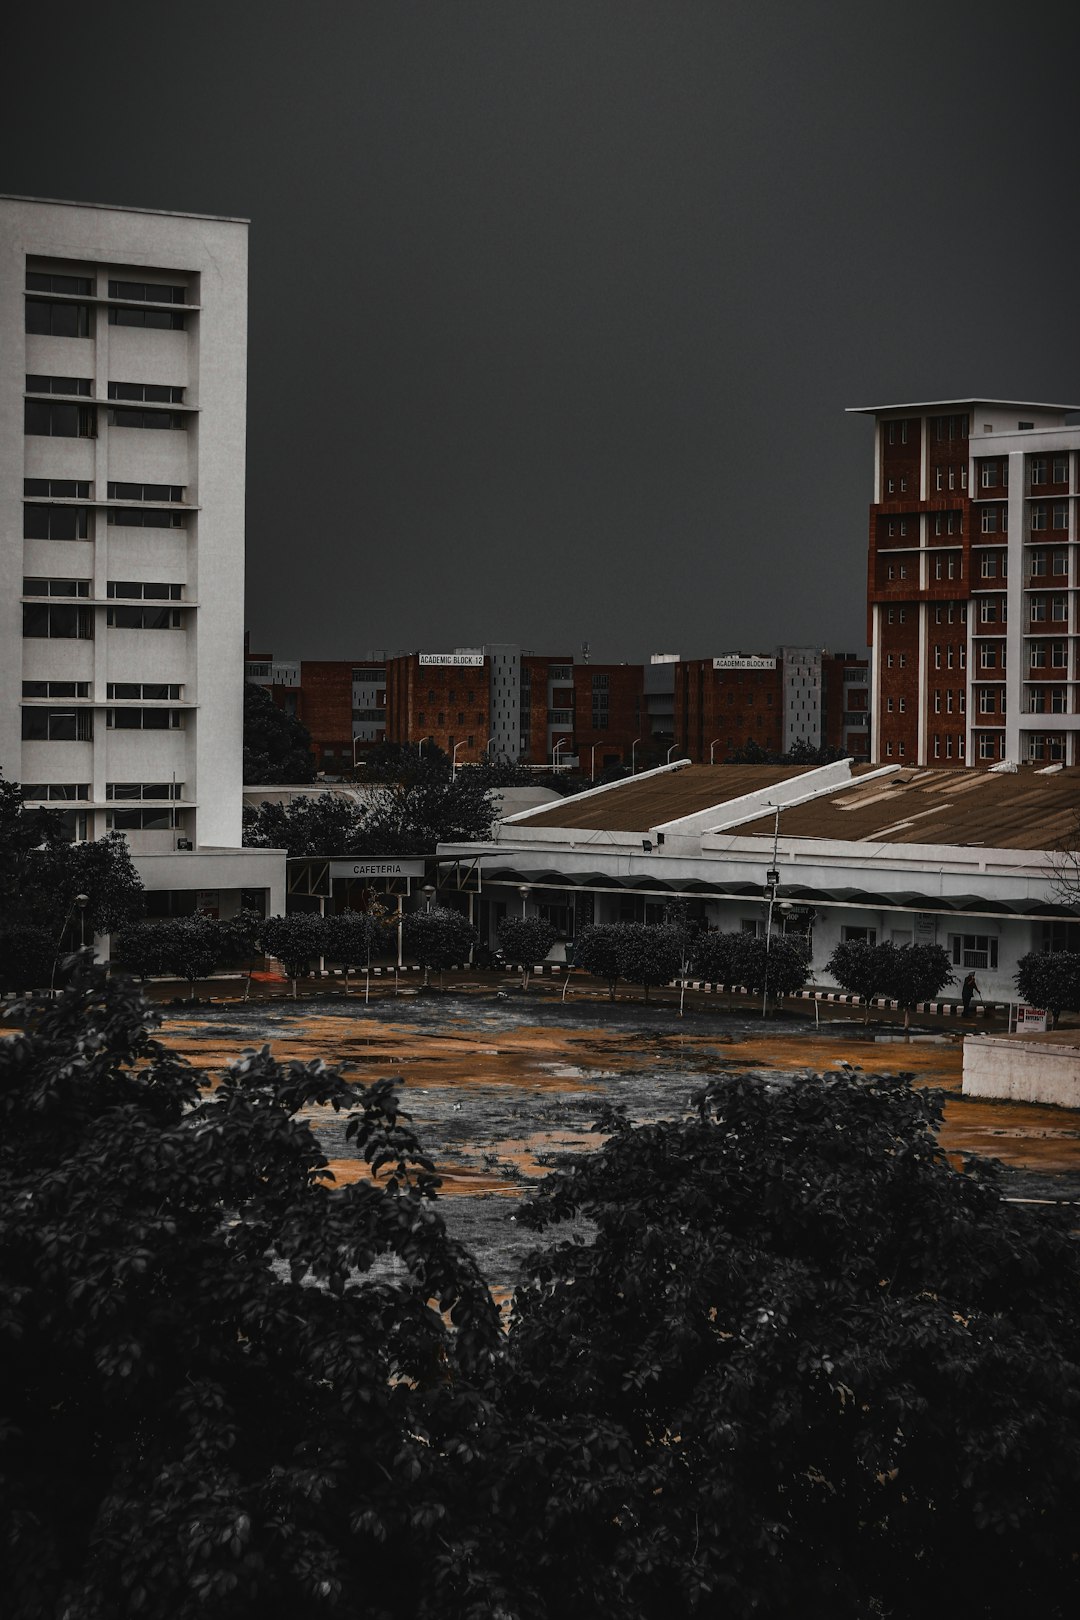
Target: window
160 820
56 587
70 286
1058 697
1036 564
1037 609
145 719
141 591
59 385
949 656
987 657
937 746
863 936
148 492
937 656
888 662
57 489
144 790
937 700
989 520
948 700
125 417
57 725
51 419
902 705
889 705
974 950
1060 515
901 615
161 393
146 517
1037 701
948 747
1037 467
963 655
1059 609
1037 655
988 565
888 750
961 698
51 792
46 319
57 623
1059 655
986 747
1061 470
152 292
901 749
56 523
1038 515
56 689
988 475
901 660
144 690
986 700
143 618
167 319
1061 562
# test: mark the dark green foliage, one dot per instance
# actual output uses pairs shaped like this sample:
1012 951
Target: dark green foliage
599 951
277 748
773 966
917 973
650 953
192 948
139 948
406 763
862 969
27 955
385 822
803 1368
41 873
352 938
296 940
326 824
800 753
437 937
1050 979
211 1406
524 941
717 957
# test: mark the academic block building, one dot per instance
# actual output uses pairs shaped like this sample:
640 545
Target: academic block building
972 583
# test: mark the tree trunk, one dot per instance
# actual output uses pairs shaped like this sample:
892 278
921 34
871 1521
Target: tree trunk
907 1017
646 990
611 989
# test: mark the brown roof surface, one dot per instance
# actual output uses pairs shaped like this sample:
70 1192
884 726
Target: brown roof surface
964 806
638 804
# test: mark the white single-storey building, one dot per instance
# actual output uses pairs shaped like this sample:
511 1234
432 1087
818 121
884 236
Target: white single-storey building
968 859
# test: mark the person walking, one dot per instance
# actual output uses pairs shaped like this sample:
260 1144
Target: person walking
967 990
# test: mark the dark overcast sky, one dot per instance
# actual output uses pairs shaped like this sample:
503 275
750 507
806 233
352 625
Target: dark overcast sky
555 307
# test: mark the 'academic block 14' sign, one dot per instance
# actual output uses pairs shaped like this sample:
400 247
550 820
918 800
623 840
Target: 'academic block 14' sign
737 661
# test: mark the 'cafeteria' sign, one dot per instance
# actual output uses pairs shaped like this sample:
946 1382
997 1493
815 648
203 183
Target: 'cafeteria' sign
453 660
376 869
737 661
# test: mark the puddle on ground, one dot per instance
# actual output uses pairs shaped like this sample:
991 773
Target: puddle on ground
497 1091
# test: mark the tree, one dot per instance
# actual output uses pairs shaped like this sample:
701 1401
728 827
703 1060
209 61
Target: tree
41 872
241 937
1050 979
191 948
277 748
599 952
917 973
717 957
407 763
437 937
524 941
862 969
351 937
296 940
139 948
327 824
773 965
27 957
650 953
219 1398
750 753
802 1366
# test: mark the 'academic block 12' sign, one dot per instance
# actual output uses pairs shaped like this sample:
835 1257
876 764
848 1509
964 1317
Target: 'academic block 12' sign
453 660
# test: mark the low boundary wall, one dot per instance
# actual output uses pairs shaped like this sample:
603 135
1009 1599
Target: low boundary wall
1024 1068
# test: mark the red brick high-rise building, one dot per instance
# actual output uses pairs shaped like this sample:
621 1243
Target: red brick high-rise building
972 582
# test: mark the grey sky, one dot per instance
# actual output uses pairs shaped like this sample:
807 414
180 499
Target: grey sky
555 307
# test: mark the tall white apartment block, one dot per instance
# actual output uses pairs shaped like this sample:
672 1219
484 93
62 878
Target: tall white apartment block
123 337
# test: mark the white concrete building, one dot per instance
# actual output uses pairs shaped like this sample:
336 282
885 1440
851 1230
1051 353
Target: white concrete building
123 337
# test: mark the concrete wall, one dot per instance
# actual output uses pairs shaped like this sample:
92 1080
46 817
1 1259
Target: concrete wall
1032 1069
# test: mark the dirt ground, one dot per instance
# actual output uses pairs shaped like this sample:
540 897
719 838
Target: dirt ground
500 1084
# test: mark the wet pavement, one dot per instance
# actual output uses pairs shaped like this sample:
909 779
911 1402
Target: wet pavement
499 1085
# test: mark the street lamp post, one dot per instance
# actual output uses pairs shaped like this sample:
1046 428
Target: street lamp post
428 892
633 756
524 893
670 751
453 760
487 745
712 748
563 742
773 876
82 901
592 763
